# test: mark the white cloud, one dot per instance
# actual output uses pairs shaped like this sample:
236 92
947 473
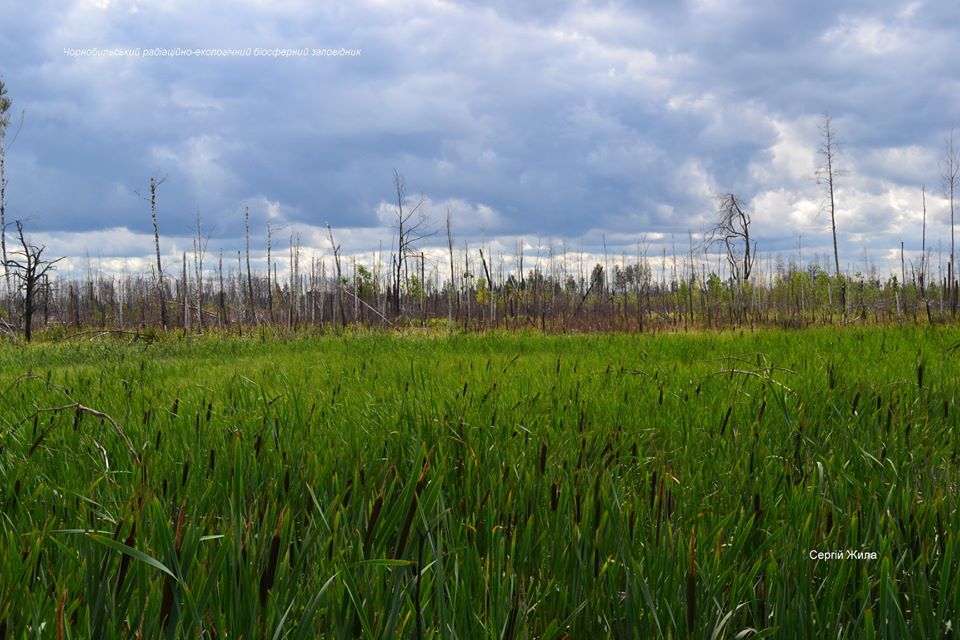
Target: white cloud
201 159
472 220
870 36
792 160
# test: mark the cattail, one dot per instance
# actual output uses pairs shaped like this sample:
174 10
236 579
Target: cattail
653 487
166 604
543 457
372 521
692 584
596 506
510 628
130 541
660 492
309 506
60 607
268 577
411 511
762 602
176 406
576 504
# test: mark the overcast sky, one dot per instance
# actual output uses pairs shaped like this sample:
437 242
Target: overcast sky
576 121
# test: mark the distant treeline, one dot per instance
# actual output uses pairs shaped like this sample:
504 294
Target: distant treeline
666 293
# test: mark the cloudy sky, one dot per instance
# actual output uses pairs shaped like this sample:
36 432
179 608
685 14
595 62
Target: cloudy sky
577 122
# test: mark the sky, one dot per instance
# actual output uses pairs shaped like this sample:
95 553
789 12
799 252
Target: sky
582 124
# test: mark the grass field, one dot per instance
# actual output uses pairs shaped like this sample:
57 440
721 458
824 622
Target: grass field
497 486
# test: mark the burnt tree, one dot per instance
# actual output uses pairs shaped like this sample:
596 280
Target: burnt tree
29 267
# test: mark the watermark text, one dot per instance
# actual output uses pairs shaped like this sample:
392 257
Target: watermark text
211 52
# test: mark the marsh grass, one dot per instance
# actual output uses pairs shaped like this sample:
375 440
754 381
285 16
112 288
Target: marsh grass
507 486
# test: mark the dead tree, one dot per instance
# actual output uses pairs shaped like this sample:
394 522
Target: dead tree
251 311
411 228
161 288
827 175
336 261
950 177
5 105
29 268
200 242
452 292
269 285
923 244
732 230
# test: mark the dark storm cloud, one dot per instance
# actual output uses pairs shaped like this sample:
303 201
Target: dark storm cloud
560 119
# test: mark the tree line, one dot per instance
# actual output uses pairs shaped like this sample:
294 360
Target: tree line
719 279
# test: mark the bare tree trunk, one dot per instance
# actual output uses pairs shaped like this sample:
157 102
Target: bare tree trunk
186 295
199 249
5 105
827 176
269 263
3 215
950 174
154 183
923 245
452 276
30 271
220 296
251 309
401 235
336 259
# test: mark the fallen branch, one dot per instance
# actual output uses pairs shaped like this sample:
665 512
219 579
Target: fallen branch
755 375
81 409
361 301
102 332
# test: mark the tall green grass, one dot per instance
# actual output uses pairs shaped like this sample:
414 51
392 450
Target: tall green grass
507 486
